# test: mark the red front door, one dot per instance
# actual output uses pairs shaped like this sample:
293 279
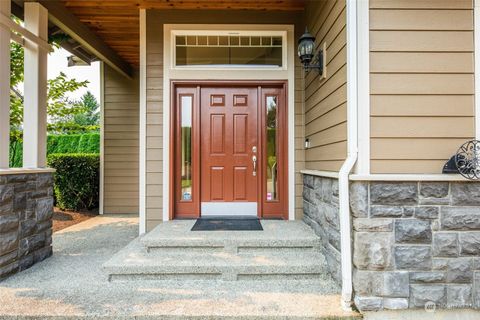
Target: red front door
229 151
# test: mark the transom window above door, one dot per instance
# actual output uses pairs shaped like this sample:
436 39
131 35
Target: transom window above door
217 49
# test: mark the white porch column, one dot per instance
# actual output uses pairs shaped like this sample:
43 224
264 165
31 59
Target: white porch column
35 104
4 87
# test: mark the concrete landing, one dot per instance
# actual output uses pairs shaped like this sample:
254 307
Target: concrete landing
293 236
72 285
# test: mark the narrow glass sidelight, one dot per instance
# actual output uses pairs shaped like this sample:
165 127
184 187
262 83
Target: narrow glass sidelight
272 151
186 148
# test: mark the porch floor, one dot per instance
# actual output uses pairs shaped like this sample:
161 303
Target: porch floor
73 284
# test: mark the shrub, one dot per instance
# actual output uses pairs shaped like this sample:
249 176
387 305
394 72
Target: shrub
74 143
76 180
66 143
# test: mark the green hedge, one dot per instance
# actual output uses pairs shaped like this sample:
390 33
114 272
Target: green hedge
77 180
71 143
74 143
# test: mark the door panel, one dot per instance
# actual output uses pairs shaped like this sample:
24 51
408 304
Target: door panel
217 134
240 180
228 136
217 183
240 134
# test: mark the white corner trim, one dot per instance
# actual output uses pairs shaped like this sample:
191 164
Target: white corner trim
143 124
363 84
318 173
476 32
102 137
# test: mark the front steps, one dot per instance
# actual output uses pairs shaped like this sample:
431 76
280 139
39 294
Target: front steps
285 250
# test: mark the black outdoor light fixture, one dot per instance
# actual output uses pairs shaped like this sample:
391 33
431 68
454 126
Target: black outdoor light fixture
306 53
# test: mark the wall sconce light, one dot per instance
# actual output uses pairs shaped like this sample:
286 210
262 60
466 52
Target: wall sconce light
306 53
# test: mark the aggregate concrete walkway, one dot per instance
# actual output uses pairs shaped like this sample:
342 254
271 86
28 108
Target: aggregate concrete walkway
72 284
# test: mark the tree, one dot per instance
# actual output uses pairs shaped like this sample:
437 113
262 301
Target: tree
60 109
91 113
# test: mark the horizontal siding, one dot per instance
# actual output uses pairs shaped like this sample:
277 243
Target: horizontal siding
326 99
421 82
120 143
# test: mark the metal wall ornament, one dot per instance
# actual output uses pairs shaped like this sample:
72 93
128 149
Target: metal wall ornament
467 160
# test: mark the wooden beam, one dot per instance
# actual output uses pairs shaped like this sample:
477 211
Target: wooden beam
71 25
4 88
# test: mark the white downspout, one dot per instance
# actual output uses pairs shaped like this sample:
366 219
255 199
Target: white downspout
352 155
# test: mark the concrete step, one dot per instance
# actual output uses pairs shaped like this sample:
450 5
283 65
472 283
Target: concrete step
278 237
135 263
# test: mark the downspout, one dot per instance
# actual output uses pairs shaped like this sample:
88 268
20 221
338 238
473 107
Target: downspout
352 155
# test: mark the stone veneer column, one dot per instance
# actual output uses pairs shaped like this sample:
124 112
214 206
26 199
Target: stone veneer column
26 208
321 212
416 243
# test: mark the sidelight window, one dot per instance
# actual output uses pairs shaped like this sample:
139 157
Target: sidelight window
186 147
272 152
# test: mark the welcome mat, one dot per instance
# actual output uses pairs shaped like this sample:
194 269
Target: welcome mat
227 224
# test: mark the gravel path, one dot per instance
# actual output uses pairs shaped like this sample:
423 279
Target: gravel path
72 284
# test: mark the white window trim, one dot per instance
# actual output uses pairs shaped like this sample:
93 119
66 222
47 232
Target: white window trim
286 73
231 32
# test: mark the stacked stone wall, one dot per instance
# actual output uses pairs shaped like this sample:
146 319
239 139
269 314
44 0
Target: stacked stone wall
26 207
321 212
416 243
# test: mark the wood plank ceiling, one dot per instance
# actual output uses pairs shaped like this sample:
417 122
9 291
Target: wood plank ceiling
117 21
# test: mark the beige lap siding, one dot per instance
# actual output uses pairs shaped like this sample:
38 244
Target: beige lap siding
422 83
121 132
155 21
326 99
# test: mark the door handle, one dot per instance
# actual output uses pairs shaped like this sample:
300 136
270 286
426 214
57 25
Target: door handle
254 159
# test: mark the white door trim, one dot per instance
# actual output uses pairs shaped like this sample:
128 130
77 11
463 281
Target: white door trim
171 73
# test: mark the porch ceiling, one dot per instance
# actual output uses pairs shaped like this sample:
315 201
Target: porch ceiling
116 22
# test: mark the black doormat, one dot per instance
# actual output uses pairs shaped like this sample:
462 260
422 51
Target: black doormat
227 224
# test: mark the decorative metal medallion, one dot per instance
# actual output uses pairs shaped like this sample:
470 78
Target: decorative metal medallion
467 160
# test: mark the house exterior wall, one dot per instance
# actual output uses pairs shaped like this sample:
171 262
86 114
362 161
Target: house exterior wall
154 85
326 99
422 83
120 142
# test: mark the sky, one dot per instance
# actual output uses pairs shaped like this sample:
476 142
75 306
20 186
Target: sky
57 62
